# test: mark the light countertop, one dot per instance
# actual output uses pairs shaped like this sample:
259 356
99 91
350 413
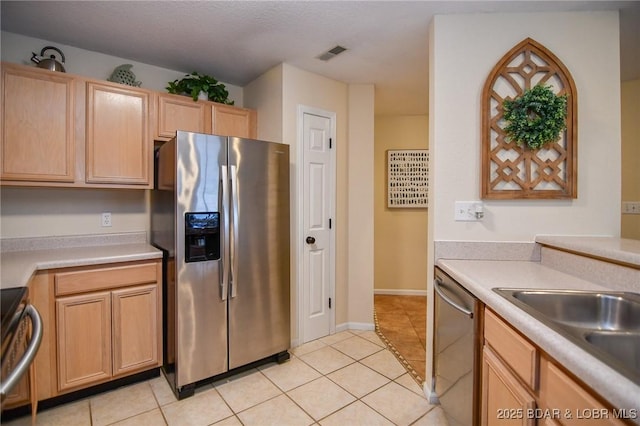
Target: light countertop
18 266
481 276
619 250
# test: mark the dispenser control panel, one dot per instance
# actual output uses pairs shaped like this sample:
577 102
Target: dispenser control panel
202 236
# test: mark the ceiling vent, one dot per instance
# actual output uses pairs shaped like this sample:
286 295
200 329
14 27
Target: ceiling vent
331 53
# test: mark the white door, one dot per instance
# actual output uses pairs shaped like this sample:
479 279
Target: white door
318 227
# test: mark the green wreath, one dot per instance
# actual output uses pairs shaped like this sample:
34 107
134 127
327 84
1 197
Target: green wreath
535 118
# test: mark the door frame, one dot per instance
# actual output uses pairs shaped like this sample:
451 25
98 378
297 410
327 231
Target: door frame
300 232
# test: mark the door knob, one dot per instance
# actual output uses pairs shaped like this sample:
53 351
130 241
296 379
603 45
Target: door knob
310 240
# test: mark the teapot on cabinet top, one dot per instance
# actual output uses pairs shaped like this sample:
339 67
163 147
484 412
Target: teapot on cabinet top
49 63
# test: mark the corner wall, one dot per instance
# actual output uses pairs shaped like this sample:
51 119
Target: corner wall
467 47
463 50
277 95
361 189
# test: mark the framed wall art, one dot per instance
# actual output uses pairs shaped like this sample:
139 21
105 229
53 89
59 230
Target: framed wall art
407 178
529 90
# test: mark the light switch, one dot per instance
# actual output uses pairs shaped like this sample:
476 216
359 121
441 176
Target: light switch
469 211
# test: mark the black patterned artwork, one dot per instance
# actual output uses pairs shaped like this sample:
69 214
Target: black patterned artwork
407 178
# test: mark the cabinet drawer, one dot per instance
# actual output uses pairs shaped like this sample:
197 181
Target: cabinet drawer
104 278
515 350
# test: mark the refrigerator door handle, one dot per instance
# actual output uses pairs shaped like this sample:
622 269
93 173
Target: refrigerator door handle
234 231
224 284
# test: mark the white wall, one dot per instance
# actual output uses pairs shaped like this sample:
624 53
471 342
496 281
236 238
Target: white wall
309 89
360 227
41 212
588 44
17 49
463 50
264 94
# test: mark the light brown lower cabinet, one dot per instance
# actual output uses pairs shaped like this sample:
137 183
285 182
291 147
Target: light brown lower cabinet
522 385
136 329
100 323
504 400
106 335
83 326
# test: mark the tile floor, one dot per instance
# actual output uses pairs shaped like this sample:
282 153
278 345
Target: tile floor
402 320
349 378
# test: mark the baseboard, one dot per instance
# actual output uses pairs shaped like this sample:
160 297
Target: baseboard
355 326
431 395
400 292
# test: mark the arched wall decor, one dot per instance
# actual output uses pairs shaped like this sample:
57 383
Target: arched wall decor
510 171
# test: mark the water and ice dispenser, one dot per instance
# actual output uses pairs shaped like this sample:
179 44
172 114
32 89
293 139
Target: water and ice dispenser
202 236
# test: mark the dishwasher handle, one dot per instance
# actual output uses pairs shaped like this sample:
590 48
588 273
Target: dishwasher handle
30 353
436 285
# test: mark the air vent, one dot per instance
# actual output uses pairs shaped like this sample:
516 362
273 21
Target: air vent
331 53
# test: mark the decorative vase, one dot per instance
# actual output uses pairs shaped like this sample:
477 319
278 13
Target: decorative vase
203 96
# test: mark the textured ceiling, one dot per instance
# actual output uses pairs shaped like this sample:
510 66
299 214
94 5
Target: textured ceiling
236 41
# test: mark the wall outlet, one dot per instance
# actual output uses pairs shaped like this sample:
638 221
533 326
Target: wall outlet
106 219
469 211
631 207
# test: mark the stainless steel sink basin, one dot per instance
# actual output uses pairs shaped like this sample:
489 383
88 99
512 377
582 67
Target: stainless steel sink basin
605 324
595 310
623 346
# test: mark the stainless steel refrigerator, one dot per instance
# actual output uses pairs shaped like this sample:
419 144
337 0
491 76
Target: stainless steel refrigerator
220 214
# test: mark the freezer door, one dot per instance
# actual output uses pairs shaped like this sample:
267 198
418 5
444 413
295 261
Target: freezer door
200 299
259 306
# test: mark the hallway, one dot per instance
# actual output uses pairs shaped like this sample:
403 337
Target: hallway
401 322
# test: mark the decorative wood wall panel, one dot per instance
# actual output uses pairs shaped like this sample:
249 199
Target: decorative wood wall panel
510 171
407 178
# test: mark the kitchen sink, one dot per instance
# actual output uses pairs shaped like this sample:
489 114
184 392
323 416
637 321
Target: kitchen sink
595 310
623 346
606 324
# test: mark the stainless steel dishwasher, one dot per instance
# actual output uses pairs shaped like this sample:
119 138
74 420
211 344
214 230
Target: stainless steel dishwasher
457 365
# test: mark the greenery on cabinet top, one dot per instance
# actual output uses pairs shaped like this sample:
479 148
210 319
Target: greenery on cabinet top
193 84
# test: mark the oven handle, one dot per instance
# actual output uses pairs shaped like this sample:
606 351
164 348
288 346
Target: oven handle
32 349
436 285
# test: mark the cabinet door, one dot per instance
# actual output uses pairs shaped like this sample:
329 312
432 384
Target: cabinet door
118 143
181 113
576 404
233 121
84 339
38 137
136 329
504 400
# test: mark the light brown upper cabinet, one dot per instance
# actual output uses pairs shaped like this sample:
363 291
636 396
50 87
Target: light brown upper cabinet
233 121
64 130
118 140
38 127
177 112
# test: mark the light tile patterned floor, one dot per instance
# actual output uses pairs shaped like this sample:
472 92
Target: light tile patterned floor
349 378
